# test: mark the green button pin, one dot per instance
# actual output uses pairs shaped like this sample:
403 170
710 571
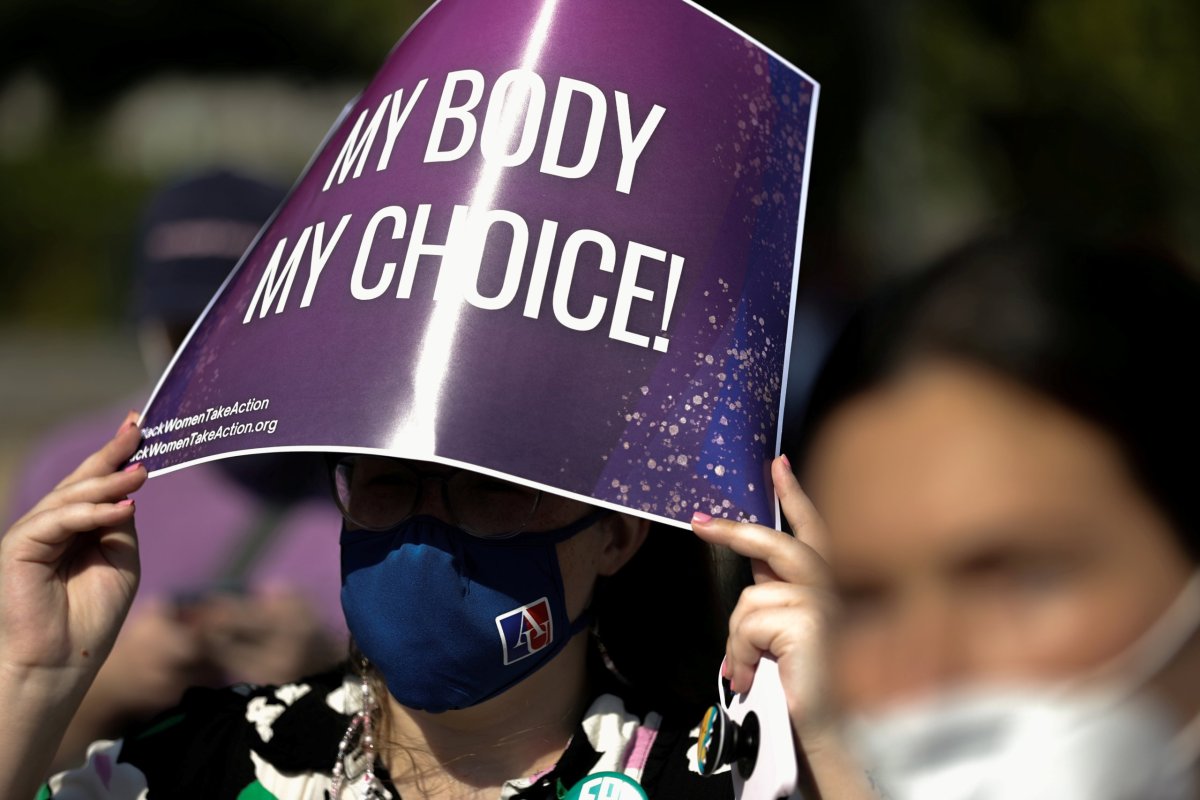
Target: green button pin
607 786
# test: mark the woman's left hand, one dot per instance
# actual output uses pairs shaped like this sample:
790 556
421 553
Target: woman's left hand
788 610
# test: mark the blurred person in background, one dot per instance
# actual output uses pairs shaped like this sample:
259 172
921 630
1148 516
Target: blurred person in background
1002 451
239 573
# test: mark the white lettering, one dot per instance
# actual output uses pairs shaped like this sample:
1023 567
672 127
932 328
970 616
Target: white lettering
567 88
396 121
269 285
450 252
541 268
320 255
481 224
462 113
356 149
358 289
633 145
512 122
516 92
628 290
566 273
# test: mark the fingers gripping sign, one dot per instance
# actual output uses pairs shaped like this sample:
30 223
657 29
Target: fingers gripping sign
786 612
68 572
783 617
69 567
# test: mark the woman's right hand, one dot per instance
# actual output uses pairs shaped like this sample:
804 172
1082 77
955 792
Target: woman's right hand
68 572
788 613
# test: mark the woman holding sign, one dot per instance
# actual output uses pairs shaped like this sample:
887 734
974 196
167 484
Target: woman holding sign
432 560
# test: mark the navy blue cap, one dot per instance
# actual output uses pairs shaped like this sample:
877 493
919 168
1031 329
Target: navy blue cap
192 234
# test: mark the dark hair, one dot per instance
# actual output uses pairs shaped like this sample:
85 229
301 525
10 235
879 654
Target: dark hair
1109 333
663 619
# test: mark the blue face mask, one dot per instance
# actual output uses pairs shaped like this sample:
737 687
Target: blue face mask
451 619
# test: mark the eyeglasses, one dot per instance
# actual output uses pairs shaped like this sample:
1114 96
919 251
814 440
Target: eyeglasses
377 493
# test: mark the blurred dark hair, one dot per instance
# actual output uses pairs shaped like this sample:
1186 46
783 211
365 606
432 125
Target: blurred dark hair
662 620
1107 332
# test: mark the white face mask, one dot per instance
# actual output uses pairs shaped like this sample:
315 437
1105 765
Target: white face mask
1096 738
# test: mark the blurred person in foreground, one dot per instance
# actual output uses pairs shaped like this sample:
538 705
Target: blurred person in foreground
239 574
1002 452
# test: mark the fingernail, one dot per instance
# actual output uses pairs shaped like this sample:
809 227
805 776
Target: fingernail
133 467
700 518
128 501
725 668
786 462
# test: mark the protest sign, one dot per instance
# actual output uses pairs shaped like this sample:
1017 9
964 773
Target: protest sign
554 241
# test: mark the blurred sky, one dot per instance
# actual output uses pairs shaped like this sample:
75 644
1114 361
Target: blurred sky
937 118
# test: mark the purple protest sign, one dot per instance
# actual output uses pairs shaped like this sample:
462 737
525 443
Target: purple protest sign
555 241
